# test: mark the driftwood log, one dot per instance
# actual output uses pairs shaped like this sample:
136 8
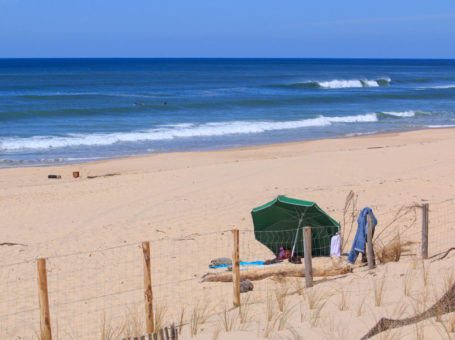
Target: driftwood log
290 270
12 244
445 305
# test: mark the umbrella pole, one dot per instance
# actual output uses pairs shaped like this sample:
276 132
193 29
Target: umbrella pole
296 235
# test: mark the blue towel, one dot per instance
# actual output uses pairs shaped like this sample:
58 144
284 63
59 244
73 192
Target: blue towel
252 263
360 239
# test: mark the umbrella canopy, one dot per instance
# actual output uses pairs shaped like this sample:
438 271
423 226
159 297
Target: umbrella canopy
279 223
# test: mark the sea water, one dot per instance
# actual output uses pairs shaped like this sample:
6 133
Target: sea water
71 110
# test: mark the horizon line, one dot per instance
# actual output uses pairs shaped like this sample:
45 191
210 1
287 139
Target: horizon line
264 58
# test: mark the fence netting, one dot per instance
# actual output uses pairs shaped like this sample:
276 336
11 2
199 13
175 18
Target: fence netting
441 228
100 293
19 311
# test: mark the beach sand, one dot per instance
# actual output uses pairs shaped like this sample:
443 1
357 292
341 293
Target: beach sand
186 203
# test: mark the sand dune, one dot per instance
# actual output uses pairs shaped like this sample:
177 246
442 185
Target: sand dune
187 200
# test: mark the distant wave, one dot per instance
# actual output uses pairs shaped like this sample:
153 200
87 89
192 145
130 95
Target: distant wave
450 86
358 134
399 114
339 83
169 132
402 114
440 126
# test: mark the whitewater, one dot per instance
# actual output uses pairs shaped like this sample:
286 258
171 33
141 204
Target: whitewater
174 131
71 110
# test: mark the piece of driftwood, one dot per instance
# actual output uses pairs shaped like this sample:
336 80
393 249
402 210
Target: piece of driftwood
445 305
106 175
12 244
290 270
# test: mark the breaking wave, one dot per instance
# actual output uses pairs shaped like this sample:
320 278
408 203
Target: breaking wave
339 83
404 114
450 86
400 114
441 126
169 132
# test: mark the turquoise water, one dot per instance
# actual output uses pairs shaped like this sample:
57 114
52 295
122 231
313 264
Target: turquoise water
70 110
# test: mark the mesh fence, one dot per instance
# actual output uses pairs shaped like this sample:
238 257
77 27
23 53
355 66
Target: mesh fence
100 294
441 227
19 311
89 290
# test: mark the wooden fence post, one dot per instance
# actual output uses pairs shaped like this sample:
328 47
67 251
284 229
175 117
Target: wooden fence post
174 333
341 236
236 268
425 222
148 296
307 250
371 261
45 317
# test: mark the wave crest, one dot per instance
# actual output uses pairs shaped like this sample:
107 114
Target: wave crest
409 113
169 132
341 83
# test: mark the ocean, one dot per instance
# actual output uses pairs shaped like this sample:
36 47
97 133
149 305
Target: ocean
56 111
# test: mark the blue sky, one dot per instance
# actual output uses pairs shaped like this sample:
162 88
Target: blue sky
228 28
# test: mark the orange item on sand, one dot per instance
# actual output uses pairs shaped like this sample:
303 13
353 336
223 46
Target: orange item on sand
287 253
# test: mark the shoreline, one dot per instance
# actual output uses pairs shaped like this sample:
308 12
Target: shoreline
122 195
246 147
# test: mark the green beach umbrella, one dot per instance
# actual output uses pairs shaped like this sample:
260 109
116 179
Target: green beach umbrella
279 223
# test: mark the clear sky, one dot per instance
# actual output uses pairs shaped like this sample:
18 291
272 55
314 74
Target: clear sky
228 28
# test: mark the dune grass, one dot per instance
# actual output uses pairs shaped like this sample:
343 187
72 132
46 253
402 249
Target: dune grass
378 288
199 316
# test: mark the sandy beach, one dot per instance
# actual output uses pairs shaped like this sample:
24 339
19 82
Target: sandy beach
176 195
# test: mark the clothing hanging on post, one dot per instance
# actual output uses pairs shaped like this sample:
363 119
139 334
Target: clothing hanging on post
335 245
360 239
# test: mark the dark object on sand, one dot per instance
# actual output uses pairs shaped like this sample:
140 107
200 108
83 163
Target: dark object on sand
246 286
54 176
76 174
106 175
269 262
445 305
295 260
12 244
220 261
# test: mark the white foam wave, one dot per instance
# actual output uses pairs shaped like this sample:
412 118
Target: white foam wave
451 86
338 84
441 126
409 113
358 134
172 132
